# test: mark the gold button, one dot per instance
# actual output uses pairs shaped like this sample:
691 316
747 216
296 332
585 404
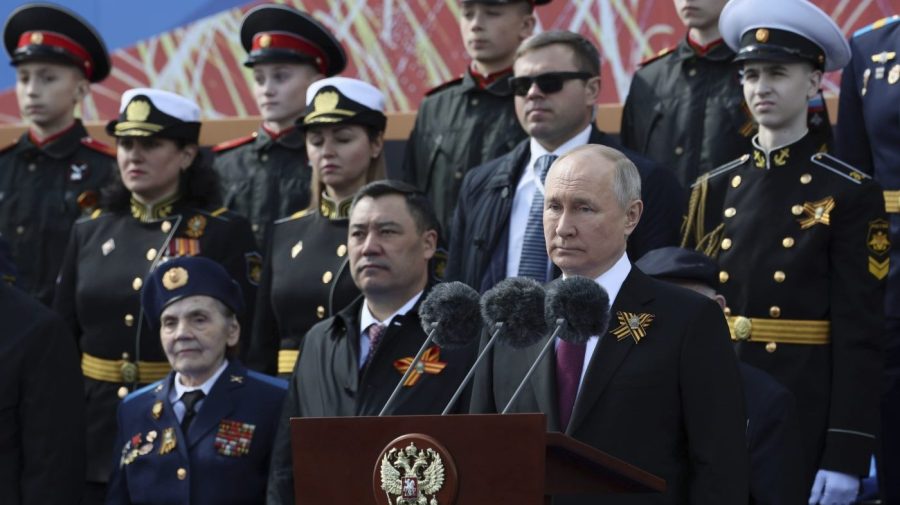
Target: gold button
320 312
151 254
679 151
166 227
181 473
730 212
771 346
122 392
735 181
723 276
20 229
137 283
341 251
129 320
775 311
474 102
779 276
805 179
727 311
264 157
125 356
326 277
788 242
692 72
726 244
743 328
458 175
797 210
255 227
32 167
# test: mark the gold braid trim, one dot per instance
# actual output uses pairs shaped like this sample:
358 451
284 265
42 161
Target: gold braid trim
693 227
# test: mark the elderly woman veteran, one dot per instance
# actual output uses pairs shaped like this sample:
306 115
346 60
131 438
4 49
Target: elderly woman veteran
162 205
306 277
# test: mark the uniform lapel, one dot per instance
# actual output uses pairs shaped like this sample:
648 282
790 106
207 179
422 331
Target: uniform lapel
218 405
167 418
610 352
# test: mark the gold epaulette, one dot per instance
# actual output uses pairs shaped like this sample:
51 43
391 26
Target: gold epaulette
892 201
658 55
693 228
218 212
96 213
295 215
287 358
839 167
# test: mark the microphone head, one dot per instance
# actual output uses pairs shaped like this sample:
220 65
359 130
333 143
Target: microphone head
518 303
583 306
453 307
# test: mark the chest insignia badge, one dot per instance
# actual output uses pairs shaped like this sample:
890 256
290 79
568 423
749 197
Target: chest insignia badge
632 325
818 212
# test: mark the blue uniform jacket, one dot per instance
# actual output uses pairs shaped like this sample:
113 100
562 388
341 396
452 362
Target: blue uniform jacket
224 457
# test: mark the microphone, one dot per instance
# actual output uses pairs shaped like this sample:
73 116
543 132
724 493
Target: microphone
451 318
515 306
579 308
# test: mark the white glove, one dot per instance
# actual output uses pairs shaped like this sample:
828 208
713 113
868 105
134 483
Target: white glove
833 488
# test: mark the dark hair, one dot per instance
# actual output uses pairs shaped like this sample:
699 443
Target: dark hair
587 58
416 202
199 184
375 172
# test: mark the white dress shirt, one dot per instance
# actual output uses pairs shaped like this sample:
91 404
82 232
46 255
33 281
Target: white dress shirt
366 319
529 182
180 389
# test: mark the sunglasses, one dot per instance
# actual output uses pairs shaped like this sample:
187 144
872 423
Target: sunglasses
551 82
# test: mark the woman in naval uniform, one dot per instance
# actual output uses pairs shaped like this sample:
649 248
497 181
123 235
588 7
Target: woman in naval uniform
306 277
162 205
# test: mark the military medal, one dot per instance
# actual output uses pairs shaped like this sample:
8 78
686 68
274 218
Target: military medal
818 212
430 363
237 378
233 438
156 411
168 441
866 75
296 249
77 172
632 325
195 226
894 74
145 449
879 72
108 247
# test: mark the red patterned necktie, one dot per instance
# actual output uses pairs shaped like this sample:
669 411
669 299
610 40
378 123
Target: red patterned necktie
569 361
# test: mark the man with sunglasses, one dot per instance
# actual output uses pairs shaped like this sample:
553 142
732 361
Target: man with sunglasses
470 120
497 227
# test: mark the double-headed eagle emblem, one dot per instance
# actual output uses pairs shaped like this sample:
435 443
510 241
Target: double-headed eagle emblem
411 476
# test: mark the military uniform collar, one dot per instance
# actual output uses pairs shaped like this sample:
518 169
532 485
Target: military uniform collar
500 85
59 146
716 51
291 138
154 212
800 150
334 210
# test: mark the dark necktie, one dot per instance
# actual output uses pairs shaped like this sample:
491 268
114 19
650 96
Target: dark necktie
569 361
533 261
375 332
190 399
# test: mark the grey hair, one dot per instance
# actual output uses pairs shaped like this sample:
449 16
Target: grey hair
587 57
626 178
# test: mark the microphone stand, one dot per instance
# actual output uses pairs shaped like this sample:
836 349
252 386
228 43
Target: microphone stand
465 382
559 324
409 371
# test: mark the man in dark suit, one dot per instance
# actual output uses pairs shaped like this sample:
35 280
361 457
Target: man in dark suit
351 362
496 229
773 428
661 389
204 433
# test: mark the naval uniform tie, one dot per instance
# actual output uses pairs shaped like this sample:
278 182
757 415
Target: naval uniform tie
190 399
533 262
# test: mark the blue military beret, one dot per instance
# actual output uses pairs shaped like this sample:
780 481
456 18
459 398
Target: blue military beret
679 263
187 276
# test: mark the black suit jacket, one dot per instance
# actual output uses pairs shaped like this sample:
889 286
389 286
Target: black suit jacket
671 404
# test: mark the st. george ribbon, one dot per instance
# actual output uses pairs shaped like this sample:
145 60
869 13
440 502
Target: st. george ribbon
515 307
579 308
450 316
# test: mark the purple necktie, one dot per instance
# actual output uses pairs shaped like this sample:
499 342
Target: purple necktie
569 360
375 332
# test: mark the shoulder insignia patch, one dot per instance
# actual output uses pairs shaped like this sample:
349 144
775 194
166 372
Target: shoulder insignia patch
658 55
877 24
100 147
441 87
839 167
96 213
731 165
295 215
879 244
231 144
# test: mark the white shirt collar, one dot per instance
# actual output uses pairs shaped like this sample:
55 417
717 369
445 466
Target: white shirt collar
612 279
180 388
366 318
537 150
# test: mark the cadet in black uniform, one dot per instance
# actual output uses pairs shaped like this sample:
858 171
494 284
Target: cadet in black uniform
265 176
306 277
54 172
685 108
162 206
798 234
470 120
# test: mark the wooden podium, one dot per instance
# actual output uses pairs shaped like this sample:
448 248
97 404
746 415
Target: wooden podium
488 459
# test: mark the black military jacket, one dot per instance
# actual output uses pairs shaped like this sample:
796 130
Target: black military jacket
459 126
264 178
43 190
108 257
801 236
306 278
328 382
